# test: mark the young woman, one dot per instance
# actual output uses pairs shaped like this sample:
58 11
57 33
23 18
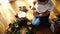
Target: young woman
42 9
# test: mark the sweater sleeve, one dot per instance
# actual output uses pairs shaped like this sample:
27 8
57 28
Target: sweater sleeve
51 5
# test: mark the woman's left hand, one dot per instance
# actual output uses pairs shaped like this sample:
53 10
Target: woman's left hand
35 14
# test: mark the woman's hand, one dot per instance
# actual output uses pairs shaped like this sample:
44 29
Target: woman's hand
35 14
44 13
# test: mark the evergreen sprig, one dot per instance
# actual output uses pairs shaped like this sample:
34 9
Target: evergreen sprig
23 8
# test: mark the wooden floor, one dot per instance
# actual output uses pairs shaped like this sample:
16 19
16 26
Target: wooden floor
43 31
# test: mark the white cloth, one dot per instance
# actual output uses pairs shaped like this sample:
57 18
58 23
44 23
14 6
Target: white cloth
21 14
52 25
42 8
